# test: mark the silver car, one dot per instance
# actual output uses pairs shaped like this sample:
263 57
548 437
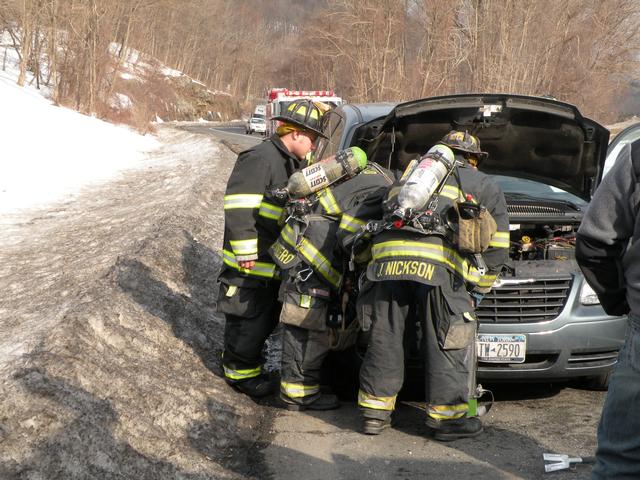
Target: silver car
541 321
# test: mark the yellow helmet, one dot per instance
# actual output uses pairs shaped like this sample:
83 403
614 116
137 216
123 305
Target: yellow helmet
464 142
305 114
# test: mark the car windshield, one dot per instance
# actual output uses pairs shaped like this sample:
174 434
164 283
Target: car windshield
257 120
520 187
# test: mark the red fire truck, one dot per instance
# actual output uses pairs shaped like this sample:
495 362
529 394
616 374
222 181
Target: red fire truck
279 98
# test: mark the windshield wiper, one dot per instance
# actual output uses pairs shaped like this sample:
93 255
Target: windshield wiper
524 196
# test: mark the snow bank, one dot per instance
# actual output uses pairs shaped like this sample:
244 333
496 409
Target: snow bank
48 153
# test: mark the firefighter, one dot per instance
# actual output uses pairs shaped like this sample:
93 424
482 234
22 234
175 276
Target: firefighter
249 281
313 249
430 275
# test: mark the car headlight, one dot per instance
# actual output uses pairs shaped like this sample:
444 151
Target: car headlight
588 296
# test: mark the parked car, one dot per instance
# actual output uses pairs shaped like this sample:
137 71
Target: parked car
541 321
257 125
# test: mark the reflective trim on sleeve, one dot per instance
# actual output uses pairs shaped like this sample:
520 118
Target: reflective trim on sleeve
298 390
452 192
269 210
500 240
351 224
437 253
328 202
244 374
245 247
447 412
261 269
487 280
367 400
242 200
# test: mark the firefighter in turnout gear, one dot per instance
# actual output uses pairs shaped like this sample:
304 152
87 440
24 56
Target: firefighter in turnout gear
311 251
249 281
432 270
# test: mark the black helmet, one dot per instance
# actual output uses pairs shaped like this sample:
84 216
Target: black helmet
303 113
464 142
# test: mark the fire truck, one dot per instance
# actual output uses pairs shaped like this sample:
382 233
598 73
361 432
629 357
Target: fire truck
279 98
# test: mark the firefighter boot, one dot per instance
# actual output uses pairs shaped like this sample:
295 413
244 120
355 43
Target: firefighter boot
448 430
325 401
375 426
257 387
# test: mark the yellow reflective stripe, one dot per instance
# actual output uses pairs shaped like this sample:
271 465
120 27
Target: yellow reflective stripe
269 210
351 224
438 253
305 301
447 412
298 390
244 247
261 269
328 202
488 280
500 240
242 200
320 263
316 259
452 192
367 400
288 235
241 374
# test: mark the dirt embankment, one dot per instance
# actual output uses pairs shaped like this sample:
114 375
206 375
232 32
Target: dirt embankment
109 355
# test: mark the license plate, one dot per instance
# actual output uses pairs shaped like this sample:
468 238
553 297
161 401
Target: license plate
501 348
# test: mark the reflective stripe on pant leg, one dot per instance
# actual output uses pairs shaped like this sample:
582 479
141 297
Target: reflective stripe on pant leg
298 390
244 374
447 412
367 400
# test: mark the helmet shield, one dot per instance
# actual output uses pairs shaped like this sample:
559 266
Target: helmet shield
305 114
464 142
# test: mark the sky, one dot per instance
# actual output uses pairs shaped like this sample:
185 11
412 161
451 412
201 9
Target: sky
49 153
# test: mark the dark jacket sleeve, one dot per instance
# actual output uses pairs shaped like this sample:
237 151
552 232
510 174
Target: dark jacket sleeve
245 189
604 234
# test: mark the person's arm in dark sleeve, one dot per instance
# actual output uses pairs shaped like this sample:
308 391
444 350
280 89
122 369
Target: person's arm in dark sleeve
497 255
604 234
245 189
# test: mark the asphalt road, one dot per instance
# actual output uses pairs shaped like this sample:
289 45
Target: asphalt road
525 422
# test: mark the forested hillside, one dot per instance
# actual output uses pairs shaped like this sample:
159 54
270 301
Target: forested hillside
580 51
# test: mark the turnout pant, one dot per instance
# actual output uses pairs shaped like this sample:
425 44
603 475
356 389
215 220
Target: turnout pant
251 316
449 345
303 352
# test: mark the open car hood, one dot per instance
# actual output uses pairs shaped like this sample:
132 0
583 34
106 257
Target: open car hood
528 137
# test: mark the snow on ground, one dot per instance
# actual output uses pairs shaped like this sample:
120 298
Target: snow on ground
48 153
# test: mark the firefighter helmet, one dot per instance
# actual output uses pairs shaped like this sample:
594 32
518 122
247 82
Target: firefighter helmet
305 114
464 142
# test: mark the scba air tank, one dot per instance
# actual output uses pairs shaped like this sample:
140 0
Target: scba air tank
425 178
344 164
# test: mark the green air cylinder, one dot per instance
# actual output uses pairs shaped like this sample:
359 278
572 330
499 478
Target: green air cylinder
344 164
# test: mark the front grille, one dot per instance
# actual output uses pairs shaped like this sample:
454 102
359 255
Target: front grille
525 210
532 302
